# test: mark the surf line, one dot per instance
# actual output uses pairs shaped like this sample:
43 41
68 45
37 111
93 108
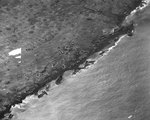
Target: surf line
28 99
128 19
143 5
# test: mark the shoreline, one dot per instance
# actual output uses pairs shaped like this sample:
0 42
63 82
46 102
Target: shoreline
121 31
126 30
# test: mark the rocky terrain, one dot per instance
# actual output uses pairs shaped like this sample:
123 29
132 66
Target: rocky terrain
115 87
53 36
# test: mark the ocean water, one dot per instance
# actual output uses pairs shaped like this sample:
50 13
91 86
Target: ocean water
116 87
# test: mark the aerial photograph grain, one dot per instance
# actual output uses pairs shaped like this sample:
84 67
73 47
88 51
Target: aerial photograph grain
74 59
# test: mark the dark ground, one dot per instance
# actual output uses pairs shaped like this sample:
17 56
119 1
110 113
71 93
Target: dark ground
55 36
116 87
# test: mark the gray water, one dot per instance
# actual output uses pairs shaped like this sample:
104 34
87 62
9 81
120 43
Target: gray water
117 87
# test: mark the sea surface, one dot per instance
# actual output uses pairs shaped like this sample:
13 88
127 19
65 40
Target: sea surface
116 87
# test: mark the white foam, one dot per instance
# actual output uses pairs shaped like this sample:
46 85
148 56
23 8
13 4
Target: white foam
129 117
15 52
18 57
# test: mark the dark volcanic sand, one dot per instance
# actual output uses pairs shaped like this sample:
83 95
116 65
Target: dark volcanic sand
117 87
